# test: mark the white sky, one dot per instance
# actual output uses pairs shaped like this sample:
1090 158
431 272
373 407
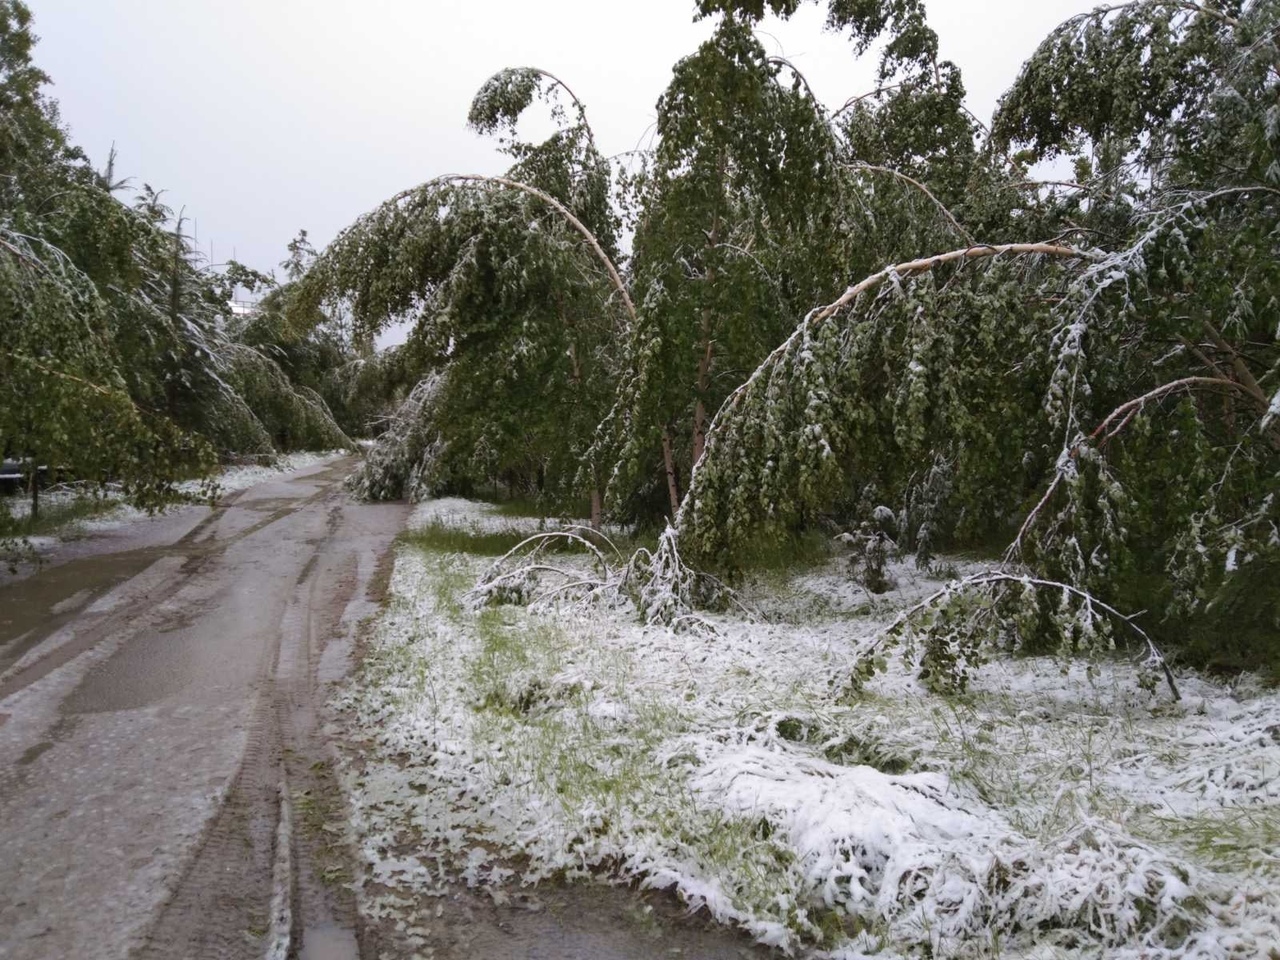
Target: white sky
263 116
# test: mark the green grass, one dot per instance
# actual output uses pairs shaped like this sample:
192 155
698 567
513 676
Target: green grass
538 508
438 537
548 740
781 555
1230 839
522 507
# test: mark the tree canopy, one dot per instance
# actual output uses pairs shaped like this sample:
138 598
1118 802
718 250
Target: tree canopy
1083 368
120 359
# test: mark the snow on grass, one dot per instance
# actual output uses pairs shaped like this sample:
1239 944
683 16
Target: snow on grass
1052 811
53 500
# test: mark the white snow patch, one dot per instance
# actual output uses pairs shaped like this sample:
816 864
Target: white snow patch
1053 811
234 479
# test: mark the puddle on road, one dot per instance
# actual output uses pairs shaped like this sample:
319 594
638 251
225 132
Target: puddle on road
268 504
328 943
32 609
33 754
552 921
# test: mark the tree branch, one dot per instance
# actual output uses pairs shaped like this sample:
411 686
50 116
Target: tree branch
995 577
854 101
556 205
1238 365
1137 402
582 110
925 264
1124 413
964 234
821 314
1183 4
51 371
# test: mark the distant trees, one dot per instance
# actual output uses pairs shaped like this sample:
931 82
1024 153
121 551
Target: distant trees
118 358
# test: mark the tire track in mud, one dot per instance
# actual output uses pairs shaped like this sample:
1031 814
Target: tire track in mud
325 912
220 909
252 889
188 721
198 553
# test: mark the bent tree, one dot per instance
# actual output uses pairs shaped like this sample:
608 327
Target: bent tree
1083 369
509 287
1109 409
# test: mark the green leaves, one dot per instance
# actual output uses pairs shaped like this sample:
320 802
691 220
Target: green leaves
910 42
1085 373
498 104
63 403
1133 76
118 363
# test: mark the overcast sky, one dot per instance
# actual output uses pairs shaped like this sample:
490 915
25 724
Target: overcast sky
264 116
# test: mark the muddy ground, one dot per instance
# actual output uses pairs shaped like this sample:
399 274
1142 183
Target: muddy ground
166 781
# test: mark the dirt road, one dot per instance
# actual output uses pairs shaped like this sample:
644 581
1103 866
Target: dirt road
163 777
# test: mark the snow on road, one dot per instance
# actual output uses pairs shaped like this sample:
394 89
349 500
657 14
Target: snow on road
117 513
237 478
1055 810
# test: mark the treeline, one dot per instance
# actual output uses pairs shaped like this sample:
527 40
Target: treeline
120 358
877 317
874 316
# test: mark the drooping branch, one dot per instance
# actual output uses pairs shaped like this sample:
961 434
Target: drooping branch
1137 403
820 315
564 86
556 205
488 111
925 264
96 388
854 101
964 234
994 578
922 265
1181 4
1124 414
582 110
804 82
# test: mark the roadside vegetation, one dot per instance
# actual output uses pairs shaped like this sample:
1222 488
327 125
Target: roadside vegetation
1054 806
1050 334
928 471
122 365
888 553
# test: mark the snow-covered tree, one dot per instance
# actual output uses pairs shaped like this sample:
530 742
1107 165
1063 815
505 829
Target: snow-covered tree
1102 393
513 300
116 362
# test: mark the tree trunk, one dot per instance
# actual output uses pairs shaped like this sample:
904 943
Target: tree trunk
699 407
669 461
597 509
35 492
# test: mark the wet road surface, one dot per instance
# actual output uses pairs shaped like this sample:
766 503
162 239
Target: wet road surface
160 711
166 784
